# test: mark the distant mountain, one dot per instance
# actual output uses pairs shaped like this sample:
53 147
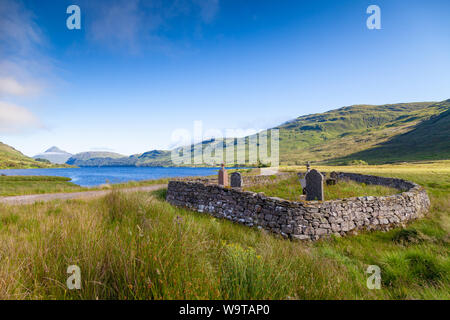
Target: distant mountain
54 155
10 158
55 149
109 159
374 134
97 159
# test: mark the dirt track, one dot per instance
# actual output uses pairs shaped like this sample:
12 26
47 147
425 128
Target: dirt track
32 198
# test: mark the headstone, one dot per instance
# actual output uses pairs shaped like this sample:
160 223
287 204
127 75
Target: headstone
308 166
314 185
223 176
334 175
331 182
236 180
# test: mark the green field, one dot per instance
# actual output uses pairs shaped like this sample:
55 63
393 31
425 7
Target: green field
24 185
290 189
136 246
20 185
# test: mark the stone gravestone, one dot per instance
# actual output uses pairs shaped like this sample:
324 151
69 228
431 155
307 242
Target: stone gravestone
223 176
314 185
236 180
334 175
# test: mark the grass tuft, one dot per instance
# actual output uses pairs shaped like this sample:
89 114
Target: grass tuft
407 236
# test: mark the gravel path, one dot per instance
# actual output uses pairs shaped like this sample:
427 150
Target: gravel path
32 198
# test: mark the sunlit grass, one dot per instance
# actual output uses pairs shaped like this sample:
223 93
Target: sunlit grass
136 246
290 189
19 185
24 185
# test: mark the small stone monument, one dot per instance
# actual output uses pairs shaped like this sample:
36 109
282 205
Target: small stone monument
334 175
308 166
223 176
236 180
314 185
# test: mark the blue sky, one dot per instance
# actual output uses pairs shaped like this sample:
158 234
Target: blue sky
138 70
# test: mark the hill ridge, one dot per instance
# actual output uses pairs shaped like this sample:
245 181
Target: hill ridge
333 136
371 133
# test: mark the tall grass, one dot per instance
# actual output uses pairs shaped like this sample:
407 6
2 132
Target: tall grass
136 246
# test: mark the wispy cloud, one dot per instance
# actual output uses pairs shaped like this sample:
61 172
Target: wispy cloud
20 57
17 119
19 33
208 9
118 23
136 24
10 86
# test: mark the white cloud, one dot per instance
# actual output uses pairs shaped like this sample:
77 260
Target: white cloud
22 66
16 119
10 86
22 63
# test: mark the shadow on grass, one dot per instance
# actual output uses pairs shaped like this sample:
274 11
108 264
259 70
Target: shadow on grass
160 194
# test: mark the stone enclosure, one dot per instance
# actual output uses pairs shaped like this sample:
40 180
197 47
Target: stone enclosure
304 220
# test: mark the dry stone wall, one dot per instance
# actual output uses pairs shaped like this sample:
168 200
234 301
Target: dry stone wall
305 220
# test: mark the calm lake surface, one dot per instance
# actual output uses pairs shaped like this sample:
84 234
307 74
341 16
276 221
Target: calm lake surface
94 176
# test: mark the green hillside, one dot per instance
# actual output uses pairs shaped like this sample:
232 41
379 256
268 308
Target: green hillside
342 133
429 140
10 158
375 134
152 158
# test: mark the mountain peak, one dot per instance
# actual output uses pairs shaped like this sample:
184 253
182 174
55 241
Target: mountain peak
54 155
55 149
